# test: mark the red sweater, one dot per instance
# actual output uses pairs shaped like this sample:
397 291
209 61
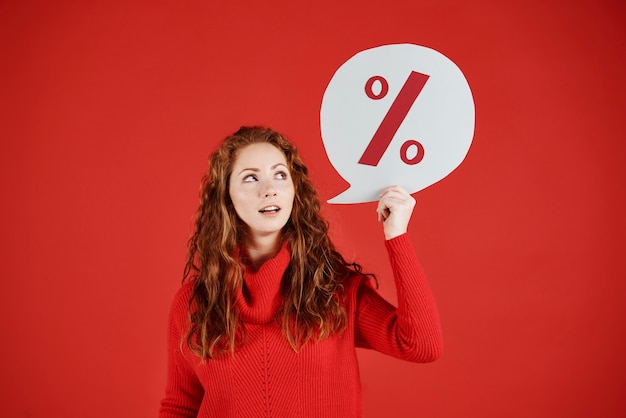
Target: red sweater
267 378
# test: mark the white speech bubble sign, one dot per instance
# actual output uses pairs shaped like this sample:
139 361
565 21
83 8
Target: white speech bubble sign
410 107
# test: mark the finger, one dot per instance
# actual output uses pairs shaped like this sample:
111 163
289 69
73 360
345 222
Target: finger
396 201
397 195
382 212
395 188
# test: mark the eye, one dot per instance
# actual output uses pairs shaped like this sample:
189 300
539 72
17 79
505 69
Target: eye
281 175
249 178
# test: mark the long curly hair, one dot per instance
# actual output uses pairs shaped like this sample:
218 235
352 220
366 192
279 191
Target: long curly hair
313 282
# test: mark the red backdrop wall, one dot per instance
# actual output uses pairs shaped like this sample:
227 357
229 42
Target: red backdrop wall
110 109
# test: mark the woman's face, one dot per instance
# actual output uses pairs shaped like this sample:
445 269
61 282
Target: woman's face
262 190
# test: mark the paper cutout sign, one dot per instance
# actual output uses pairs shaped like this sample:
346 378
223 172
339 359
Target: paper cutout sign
396 114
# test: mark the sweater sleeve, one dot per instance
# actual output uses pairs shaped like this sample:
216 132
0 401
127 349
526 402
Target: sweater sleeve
183 390
412 330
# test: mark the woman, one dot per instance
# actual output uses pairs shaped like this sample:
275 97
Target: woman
269 314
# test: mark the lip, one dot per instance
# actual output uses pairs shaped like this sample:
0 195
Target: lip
269 209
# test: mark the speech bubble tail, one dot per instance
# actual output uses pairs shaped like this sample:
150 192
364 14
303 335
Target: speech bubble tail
353 196
338 200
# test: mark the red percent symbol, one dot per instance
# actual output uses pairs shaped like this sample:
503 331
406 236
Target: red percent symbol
393 119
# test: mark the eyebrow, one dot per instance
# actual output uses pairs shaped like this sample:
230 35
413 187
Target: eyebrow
256 170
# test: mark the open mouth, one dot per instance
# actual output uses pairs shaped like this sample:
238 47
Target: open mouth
269 209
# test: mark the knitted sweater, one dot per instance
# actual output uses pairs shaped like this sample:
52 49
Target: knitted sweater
267 378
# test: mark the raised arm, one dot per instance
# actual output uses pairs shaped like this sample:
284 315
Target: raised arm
412 330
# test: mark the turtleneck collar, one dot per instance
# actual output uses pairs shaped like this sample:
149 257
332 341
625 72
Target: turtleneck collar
259 299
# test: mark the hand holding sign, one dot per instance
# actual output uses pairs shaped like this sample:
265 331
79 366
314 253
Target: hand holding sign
394 210
397 114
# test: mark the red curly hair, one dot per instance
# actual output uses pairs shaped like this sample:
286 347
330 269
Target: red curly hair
312 306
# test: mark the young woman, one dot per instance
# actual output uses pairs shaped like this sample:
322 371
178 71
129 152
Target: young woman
269 314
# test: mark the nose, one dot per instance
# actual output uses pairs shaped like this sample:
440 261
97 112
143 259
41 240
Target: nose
270 191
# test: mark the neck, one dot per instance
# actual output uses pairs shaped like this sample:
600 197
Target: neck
261 249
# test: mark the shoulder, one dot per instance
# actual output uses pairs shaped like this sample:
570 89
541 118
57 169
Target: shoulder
180 302
354 283
183 293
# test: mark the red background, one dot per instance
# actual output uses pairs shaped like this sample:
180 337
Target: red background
109 111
